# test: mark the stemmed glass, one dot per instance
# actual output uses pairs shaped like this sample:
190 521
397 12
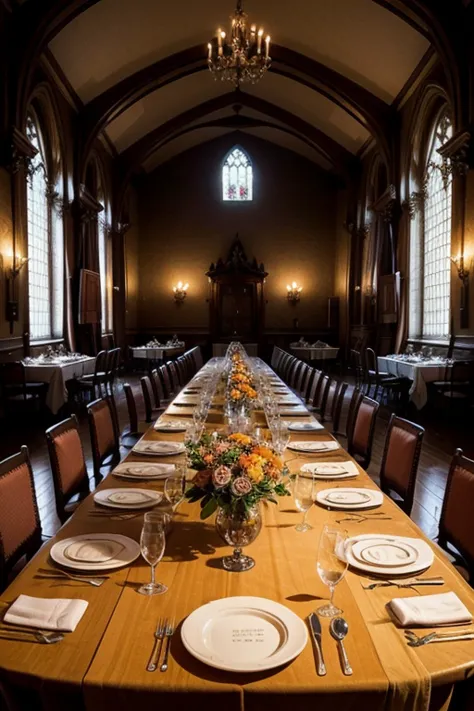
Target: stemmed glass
174 489
303 492
152 546
331 564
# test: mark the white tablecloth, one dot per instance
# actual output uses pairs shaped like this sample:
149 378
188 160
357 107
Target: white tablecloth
56 375
156 353
418 373
315 353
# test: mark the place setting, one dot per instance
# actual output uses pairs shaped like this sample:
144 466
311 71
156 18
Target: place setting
310 446
330 470
313 426
127 498
158 448
171 425
143 471
350 499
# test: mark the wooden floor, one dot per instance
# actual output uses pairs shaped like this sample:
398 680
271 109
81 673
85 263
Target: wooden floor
443 435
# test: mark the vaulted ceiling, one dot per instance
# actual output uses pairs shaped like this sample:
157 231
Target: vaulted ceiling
139 67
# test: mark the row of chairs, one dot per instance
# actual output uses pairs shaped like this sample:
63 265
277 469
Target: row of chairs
401 454
20 527
101 381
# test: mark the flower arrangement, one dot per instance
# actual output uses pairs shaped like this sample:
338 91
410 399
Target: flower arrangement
234 473
241 390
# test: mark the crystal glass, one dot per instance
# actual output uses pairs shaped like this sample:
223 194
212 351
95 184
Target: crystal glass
174 489
152 546
303 493
331 564
239 530
281 438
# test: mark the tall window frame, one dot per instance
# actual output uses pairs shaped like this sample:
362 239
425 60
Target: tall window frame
45 237
430 236
237 176
104 248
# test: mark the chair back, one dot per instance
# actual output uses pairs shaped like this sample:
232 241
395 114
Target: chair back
101 362
371 362
315 387
306 383
362 436
352 411
157 386
400 460
104 433
68 463
356 364
173 375
455 524
147 391
301 377
294 374
131 407
322 394
165 377
181 369
337 407
275 357
20 528
331 397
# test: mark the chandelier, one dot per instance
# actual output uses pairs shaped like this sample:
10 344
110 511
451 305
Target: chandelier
242 58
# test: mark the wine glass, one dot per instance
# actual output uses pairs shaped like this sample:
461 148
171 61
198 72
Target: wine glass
152 546
331 564
174 489
303 491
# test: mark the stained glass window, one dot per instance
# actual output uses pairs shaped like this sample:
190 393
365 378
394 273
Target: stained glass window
45 245
237 176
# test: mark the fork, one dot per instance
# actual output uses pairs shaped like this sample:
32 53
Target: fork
406 583
157 645
415 641
38 635
50 573
170 628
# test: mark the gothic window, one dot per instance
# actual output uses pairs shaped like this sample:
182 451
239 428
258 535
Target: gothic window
237 176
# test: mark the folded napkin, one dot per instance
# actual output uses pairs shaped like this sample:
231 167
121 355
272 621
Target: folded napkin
430 610
56 614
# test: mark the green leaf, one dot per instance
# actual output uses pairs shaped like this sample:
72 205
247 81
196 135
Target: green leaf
208 509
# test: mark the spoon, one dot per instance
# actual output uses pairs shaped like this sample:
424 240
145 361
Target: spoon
339 629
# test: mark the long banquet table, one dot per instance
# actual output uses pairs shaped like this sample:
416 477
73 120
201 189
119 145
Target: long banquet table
102 664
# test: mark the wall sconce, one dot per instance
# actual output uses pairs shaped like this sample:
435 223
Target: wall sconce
180 292
463 274
13 264
293 292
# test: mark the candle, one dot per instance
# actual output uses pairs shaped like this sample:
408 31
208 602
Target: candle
219 37
222 37
267 46
209 47
259 41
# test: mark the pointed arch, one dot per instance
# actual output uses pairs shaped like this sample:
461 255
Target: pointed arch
237 176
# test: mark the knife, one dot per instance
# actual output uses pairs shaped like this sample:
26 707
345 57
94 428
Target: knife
315 626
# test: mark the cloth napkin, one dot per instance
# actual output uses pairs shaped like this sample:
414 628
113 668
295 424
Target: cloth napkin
430 610
56 614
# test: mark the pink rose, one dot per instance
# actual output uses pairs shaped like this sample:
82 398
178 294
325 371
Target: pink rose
241 486
221 476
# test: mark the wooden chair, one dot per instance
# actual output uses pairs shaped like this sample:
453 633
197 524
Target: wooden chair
330 401
455 524
361 436
158 391
20 528
356 367
351 412
104 435
400 461
68 465
376 378
313 392
17 391
112 368
92 384
318 405
173 373
166 380
151 412
135 429
337 407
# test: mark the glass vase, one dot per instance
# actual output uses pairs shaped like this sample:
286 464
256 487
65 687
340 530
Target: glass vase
238 530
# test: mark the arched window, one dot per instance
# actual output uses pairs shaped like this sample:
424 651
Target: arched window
237 176
430 244
45 241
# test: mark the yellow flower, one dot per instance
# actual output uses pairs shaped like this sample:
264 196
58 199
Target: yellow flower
240 438
235 394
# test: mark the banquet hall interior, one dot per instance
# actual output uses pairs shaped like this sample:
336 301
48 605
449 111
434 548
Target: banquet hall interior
254 220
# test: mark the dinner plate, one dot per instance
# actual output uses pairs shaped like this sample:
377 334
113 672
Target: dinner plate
171 426
159 449
127 498
304 426
95 551
351 499
329 470
246 634
424 560
311 447
143 470
380 551
295 411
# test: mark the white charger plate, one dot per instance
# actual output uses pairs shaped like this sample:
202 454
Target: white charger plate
144 471
424 560
127 498
304 426
128 550
159 449
310 446
378 551
355 499
171 426
331 470
244 634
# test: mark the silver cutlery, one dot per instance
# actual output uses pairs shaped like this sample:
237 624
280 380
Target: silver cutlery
36 635
414 641
405 583
95 581
339 629
157 645
315 627
170 628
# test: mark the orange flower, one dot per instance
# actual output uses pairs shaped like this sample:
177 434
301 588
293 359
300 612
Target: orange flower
240 438
235 394
208 458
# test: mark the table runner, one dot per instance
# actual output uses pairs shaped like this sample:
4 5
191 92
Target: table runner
103 662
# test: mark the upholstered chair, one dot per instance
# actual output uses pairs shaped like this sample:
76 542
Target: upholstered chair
400 461
135 429
362 432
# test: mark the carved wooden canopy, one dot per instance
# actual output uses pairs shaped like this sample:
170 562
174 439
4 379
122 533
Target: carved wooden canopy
236 263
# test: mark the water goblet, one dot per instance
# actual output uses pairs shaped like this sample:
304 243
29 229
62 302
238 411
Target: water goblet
331 564
303 494
174 489
152 547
